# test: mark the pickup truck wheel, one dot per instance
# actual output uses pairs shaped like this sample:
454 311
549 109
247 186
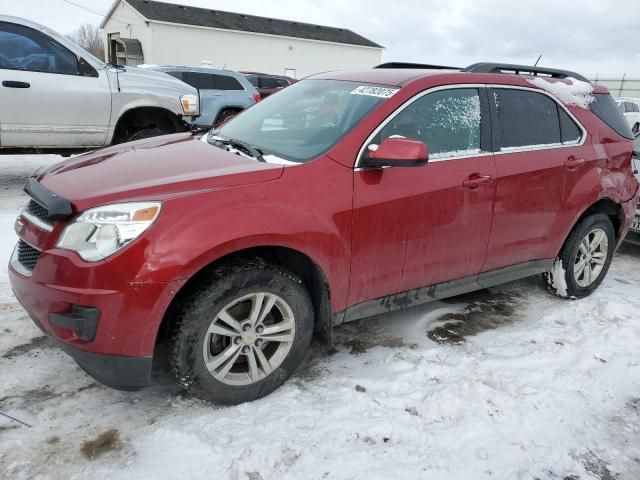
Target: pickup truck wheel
145 133
242 333
584 260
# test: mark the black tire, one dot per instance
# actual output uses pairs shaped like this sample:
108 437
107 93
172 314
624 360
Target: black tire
561 279
145 133
196 313
224 116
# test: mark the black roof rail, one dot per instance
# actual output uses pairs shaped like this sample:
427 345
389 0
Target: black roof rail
415 65
487 67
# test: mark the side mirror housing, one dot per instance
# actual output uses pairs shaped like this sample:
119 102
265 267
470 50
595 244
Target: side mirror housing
396 152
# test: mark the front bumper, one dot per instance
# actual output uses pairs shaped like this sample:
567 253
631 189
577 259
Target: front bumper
106 324
115 371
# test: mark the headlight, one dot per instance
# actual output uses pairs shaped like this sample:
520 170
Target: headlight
99 232
190 104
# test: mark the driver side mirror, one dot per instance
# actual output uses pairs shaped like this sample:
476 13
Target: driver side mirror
396 152
636 130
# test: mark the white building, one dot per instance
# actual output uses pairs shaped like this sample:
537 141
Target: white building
146 31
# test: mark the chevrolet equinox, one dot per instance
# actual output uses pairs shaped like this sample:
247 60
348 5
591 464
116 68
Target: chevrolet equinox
346 195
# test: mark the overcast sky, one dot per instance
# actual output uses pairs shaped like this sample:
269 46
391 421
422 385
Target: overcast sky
593 37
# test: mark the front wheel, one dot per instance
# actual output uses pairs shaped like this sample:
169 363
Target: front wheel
584 260
242 334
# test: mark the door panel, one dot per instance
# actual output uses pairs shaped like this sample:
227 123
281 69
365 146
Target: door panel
55 111
529 194
415 227
538 154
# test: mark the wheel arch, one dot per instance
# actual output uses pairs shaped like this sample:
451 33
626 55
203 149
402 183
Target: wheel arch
608 207
604 205
140 116
297 262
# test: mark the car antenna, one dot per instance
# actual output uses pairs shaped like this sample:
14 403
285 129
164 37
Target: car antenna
536 64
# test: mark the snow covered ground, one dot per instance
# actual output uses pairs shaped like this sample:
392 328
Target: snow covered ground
507 383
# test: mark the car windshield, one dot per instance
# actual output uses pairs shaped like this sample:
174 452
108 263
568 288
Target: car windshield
306 119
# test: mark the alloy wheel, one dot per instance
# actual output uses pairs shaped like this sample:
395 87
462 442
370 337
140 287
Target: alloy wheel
591 257
249 338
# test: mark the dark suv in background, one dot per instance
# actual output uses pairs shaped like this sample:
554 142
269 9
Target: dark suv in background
268 84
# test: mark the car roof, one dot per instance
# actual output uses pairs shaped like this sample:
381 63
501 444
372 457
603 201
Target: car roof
401 77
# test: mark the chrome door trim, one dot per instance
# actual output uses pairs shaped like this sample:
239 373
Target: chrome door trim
531 148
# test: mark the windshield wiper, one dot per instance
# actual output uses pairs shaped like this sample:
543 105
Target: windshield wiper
238 145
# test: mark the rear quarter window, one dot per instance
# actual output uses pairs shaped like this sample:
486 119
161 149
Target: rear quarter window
605 108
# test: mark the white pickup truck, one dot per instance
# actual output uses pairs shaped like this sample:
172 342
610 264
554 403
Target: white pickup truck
57 96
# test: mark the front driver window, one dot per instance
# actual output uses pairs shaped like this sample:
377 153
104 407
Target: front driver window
23 48
448 121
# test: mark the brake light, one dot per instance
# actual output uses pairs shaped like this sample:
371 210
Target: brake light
257 97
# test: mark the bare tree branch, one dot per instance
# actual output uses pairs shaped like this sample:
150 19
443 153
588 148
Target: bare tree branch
88 37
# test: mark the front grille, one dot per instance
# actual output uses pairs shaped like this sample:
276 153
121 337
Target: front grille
27 255
37 210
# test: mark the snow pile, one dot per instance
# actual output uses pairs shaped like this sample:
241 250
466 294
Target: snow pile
576 92
511 383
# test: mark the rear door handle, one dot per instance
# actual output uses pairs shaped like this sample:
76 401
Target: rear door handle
14 84
573 162
475 181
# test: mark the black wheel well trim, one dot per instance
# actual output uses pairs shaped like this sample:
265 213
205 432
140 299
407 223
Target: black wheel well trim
608 207
298 263
174 119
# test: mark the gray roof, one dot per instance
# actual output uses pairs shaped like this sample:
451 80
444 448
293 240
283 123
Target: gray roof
204 17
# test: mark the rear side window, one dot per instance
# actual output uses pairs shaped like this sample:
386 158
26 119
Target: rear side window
606 109
225 82
281 82
210 81
253 80
526 118
201 81
177 75
268 82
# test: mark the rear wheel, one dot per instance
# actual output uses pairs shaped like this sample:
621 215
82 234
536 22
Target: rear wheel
242 334
224 117
585 258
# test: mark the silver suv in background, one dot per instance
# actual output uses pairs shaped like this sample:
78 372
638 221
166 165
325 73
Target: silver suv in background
55 95
223 93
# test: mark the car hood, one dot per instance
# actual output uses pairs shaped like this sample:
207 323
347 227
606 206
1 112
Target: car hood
132 78
156 168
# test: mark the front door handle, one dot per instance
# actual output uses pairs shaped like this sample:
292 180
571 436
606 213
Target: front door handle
572 162
475 181
14 84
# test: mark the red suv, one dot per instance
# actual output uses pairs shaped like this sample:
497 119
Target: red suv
347 194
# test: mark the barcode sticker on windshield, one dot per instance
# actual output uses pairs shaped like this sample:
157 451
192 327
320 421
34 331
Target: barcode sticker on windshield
382 92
